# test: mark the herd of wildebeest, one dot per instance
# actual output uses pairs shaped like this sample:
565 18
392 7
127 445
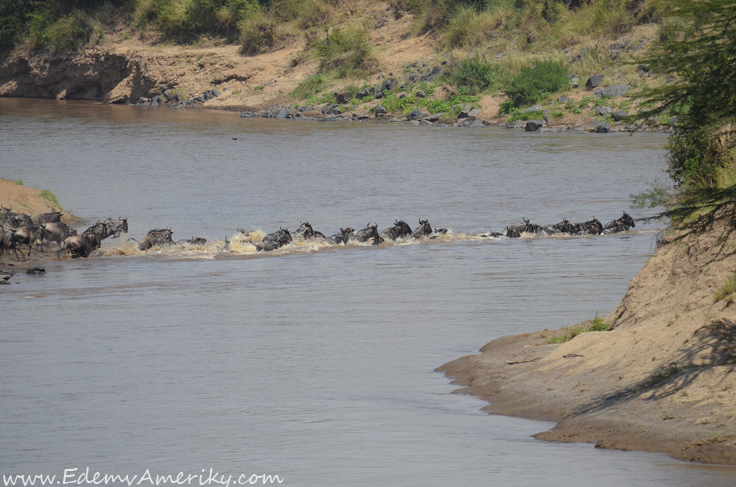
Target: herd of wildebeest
19 230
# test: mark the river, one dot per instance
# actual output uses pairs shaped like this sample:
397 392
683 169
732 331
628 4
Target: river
313 363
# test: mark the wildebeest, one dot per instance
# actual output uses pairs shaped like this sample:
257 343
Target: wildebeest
108 228
526 227
275 240
7 240
591 227
306 231
563 227
80 245
400 229
24 235
343 237
155 237
368 233
20 220
4 214
53 217
115 227
377 241
55 232
193 241
623 224
511 232
423 230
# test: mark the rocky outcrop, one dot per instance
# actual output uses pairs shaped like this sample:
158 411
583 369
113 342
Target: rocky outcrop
109 74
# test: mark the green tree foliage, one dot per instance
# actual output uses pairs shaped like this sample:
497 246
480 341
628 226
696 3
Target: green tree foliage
701 55
475 75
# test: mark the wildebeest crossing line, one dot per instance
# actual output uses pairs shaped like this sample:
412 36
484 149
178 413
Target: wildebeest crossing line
19 229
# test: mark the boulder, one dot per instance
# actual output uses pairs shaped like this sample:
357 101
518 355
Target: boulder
619 115
465 112
474 113
519 124
534 125
388 85
594 81
283 113
603 128
535 108
416 114
421 94
377 93
435 117
616 90
575 82
432 75
381 110
563 99
603 111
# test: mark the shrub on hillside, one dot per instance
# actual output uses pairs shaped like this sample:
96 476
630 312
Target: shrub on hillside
537 81
312 85
475 75
344 49
258 32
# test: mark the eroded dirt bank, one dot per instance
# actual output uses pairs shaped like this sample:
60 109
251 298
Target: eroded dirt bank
662 379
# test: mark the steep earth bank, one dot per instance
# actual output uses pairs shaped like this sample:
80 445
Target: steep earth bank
661 379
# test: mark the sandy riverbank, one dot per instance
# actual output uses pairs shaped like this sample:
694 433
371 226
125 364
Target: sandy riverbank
662 379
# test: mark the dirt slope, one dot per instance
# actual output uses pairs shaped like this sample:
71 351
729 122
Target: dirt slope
31 201
661 380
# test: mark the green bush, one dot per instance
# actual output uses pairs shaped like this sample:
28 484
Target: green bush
476 75
186 19
312 85
343 49
537 81
258 32
68 33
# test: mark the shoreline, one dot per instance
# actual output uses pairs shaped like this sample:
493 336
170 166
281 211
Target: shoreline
661 379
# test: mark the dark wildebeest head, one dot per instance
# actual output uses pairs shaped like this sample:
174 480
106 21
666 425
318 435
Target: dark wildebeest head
53 217
80 245
423 230
399 230
368 233
156 236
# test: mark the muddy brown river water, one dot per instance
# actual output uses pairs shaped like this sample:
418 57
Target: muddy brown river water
313 363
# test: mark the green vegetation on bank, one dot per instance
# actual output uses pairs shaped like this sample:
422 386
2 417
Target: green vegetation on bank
596 324
697 48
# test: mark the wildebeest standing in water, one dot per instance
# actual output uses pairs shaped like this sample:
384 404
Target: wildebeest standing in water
343 237
80 245
423 230
194 241
275 240
526 227
368 233
306 231
623 224
563 227
156 236
399 230
591 227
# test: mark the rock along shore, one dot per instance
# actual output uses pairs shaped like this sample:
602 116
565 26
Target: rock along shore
662 379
